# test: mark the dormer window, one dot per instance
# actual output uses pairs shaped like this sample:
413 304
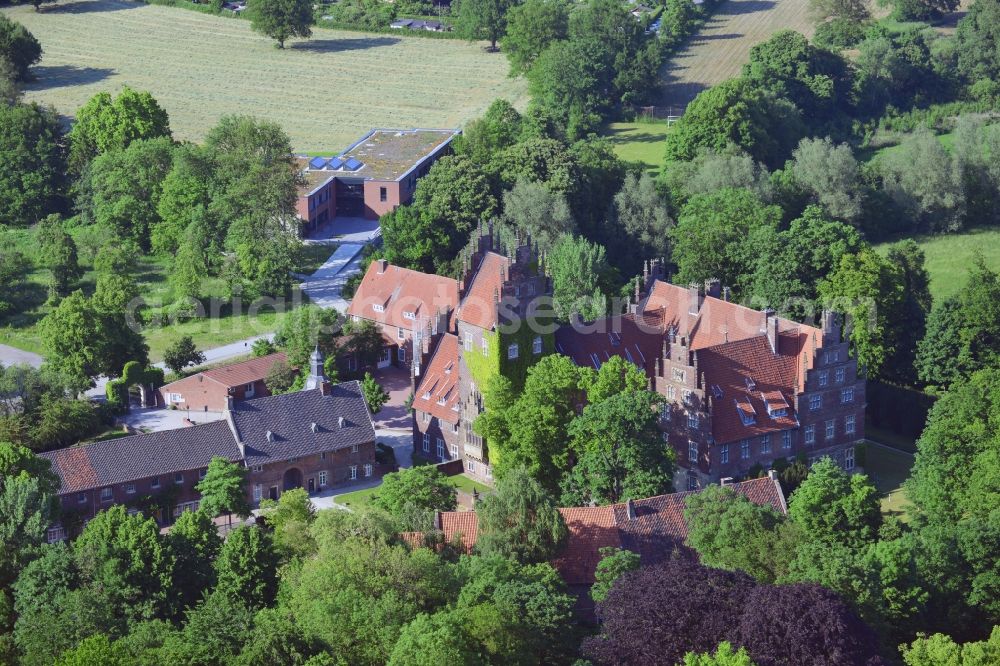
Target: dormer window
777 406
378 307
678 375
716 391
409 315
751 385
748 415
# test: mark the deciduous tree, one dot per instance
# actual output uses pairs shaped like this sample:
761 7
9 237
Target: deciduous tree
281 19
531 27
223 489
416 489
519 520
105 123
182 353
19 47
57 252
247 567
32 166
375 395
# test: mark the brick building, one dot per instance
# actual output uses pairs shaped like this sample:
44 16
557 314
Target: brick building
653 527
400 301
320 437
743 387
372 177
210 390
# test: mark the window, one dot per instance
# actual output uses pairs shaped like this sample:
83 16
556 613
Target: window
765 443
849 424
824 378
671 393
665 436
693 421
835 356
178 478
453 450
81 498
692 451
176 397
724 454
322 479
248 390
368 469
155 483
383 194
401 354
678 375
106 494
378 307
744 449
354 448
512 351
847 395
258 492
849 458
440 448
486 347
786 439
830 429
815 402
810 434
665 412
354 472
467 343
489 472
471 464
258 468
409 315
686 395
54 534
130 488
427 442
202 473
427 417
839 375
401 333
536 345
322 456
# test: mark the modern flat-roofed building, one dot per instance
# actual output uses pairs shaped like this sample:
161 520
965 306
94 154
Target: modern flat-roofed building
372 177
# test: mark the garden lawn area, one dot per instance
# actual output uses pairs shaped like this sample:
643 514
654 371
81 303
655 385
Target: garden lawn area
643 141
888 468
363 498
949 257
326 92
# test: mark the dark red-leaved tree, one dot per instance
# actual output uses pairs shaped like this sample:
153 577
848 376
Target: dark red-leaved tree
657 614
804 625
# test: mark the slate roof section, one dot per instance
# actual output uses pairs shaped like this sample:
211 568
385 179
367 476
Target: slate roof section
246 372
289 418
437 394
400 292
116 461
479 306
655 528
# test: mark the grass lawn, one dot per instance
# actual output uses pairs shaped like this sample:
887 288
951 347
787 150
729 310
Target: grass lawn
20 329
949 257
888 468
326 91
639 142
363 498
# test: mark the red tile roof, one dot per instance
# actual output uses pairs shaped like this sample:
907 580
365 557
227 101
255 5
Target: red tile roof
437 393
479 304
653 529
74 468
402 296
637 338
730 366
245 372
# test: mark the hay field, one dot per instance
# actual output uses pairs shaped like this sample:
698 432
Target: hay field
326 92
720 49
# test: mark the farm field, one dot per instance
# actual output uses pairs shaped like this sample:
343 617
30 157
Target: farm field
326 91
720 49
950 256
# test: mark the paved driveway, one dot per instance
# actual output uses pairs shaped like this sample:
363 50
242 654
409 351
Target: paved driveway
325 285
14 356
153 419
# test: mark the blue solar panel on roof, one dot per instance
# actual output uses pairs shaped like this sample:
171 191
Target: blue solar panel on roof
336 163
317 162
353 164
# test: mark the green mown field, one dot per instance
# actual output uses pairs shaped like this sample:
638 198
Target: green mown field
326 91
949 257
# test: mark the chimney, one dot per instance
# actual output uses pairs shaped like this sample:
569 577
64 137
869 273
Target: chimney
726 481
340 421
437 520
773 475
630 509
771 329
229 403
314 427
713 287
831 327
695 298
381 265
269 435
